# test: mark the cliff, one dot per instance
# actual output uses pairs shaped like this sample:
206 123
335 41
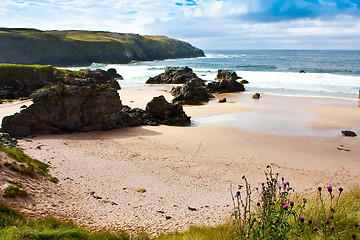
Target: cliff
31 46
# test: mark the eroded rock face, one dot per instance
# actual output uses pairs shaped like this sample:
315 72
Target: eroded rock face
167 113
173 75
21 81
193 92
66 109
224 74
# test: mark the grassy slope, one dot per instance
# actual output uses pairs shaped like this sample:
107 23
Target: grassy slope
30 46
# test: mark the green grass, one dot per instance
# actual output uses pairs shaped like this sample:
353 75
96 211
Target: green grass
20 156
13 191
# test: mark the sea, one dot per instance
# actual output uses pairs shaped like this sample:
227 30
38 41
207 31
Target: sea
328 73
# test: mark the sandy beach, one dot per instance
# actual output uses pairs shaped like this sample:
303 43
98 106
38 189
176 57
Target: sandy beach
187 172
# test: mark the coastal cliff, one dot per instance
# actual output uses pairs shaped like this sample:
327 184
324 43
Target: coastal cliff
31 46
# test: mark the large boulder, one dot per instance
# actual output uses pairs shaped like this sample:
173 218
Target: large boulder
193 92
173 75
225 82
65 109
167 113
18 81
224 74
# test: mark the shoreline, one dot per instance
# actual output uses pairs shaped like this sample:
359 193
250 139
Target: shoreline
183 168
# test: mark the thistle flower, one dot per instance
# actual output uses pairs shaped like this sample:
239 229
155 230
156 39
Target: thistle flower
331 217
283 203
309 222
353 236
238 193
332 228
279 187
329 188
285 207
265 192
319 189
315 229
341 189
302 219
291 203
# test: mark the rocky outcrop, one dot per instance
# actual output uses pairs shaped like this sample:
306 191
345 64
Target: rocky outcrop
66 109
193 92
225 82
167 113
18 81
173 75
256 96
65 48
224 74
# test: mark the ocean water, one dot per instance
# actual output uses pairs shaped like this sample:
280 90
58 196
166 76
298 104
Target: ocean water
328 73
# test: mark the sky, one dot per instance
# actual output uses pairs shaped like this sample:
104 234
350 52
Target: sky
207 24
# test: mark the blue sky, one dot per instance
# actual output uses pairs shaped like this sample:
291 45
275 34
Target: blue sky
208 24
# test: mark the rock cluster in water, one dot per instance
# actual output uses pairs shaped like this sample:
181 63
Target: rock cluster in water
194 91
65 109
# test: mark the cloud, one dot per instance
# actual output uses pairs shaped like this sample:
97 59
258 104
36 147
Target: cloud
205 23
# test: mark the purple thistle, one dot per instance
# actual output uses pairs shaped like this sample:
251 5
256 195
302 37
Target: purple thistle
265 192
283 203
331 217
291 203
279 187
315 229
332 228
329 188
302 219
285 207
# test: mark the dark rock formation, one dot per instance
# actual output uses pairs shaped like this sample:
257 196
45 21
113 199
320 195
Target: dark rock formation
21 80
302 71
224 74
167 113
256 96
225 86
348 133
173 75
193 92
64 48
223 100
66 109
225 82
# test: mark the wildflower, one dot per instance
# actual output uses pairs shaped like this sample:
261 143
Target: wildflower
238 193
315 229
302 219
341 189
319 189
291 203
258 204
282 178
329 188
279 187
332 228
353 236
265 192
331 217
356 225
309 222
283 203
285 207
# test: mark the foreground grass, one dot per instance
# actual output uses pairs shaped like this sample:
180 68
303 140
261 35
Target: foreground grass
343 225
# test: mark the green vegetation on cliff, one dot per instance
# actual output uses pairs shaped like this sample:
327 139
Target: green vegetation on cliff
31 46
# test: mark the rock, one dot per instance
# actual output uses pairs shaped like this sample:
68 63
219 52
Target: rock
225 75
18 81
173 75
167 113
244 81
225 86
65 109
223 100
256 96
302 71
348 133
193 92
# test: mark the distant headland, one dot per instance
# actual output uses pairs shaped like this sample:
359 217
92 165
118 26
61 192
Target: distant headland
65 48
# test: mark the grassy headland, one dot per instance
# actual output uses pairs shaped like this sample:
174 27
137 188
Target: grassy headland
31 46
